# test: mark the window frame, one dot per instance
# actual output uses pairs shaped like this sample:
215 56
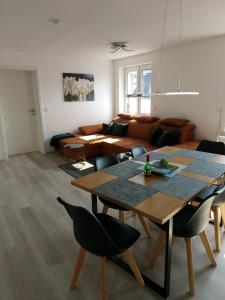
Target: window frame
139 69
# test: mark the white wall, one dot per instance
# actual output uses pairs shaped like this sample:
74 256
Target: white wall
59 116
203 70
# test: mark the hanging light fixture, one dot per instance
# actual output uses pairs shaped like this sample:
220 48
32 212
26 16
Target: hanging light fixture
178 92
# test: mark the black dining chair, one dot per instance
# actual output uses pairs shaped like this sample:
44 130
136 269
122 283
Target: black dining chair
106 161
211 147
218 207
138 151
188 223
104 236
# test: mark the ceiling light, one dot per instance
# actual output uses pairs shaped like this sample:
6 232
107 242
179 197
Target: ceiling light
179 91
175 93
116 46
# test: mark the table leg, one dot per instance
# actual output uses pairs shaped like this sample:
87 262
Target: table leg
94 200
168 254
165 290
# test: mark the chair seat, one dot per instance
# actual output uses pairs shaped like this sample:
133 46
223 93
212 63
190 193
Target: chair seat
179 222
111 205
123 235
219 200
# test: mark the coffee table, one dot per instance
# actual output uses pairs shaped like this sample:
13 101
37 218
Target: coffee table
75 151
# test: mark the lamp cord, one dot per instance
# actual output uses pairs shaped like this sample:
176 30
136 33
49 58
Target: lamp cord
180 36
162 46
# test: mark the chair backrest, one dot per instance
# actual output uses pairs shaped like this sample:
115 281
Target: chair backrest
212 190
138 151
220 188
211 147
89 232
105 161
199 220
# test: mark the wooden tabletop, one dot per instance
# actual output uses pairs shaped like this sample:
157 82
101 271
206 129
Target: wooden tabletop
159 207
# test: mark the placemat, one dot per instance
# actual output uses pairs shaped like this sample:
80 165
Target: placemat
180 186
126 191
126 169
192 154
153 156
206 168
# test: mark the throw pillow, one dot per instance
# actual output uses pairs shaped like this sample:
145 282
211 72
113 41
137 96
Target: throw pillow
176 122
146 119
107 128
120 129
174 138
168 138
163 139
156 132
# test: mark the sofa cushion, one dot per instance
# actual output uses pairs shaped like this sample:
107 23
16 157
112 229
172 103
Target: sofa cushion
187 133
119 129
139 130
114 145
107 128
146 119
156 132
120 120
126 116
176 122
91 129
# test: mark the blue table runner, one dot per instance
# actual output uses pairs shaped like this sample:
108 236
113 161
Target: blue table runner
179 186
153 156
126 169
206 168
192 154
125 191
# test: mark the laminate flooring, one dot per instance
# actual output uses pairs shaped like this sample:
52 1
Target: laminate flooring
38 250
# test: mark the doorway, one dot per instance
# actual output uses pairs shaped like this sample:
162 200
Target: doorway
20 111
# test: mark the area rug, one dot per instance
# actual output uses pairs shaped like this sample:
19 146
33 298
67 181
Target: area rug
77 170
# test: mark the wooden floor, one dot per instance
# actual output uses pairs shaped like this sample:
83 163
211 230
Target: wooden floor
37 248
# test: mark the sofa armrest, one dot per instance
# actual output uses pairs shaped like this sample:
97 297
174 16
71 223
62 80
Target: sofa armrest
91 129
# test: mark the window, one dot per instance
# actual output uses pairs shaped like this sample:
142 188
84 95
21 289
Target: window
138 81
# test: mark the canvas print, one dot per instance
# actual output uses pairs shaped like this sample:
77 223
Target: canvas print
78 87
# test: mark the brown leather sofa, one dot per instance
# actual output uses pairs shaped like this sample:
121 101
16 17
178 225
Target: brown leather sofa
138 133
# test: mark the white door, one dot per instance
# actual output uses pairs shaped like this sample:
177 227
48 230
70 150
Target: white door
17 99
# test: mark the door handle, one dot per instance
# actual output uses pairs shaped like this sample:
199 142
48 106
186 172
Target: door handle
33 111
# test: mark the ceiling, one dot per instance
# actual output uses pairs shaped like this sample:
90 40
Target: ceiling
88 26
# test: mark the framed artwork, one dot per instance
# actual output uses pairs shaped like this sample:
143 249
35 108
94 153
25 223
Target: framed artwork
78 87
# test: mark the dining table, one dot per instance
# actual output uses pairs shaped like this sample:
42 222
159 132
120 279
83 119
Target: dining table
158 198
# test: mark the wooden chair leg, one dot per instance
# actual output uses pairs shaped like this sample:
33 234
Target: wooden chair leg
216 212
105 209
132 263
190 265
145 225
222 209
78 266
121 215
208 248
102 279
158 247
